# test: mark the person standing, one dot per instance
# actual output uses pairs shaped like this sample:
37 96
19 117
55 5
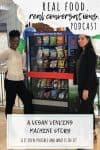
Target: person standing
86 76
14 79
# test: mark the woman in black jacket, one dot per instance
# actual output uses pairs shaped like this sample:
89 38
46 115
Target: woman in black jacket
86 76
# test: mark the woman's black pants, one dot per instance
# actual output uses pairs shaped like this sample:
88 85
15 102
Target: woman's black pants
87 106
14 88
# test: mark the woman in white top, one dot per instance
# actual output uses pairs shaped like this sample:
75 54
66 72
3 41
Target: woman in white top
14 81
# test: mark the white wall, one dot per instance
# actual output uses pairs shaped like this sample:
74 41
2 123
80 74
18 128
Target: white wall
3 41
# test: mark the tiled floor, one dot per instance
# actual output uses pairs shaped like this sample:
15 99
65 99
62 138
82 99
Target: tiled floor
3 134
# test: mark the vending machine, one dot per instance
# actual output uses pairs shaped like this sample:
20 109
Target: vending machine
51 58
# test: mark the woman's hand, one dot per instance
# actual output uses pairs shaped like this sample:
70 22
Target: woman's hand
85 94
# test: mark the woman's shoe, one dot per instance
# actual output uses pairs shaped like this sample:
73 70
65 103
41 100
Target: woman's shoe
95 136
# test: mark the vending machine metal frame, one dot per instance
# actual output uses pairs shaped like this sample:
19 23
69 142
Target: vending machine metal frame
47 106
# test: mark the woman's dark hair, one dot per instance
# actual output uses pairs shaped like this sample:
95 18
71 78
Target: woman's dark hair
14 33
88 46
